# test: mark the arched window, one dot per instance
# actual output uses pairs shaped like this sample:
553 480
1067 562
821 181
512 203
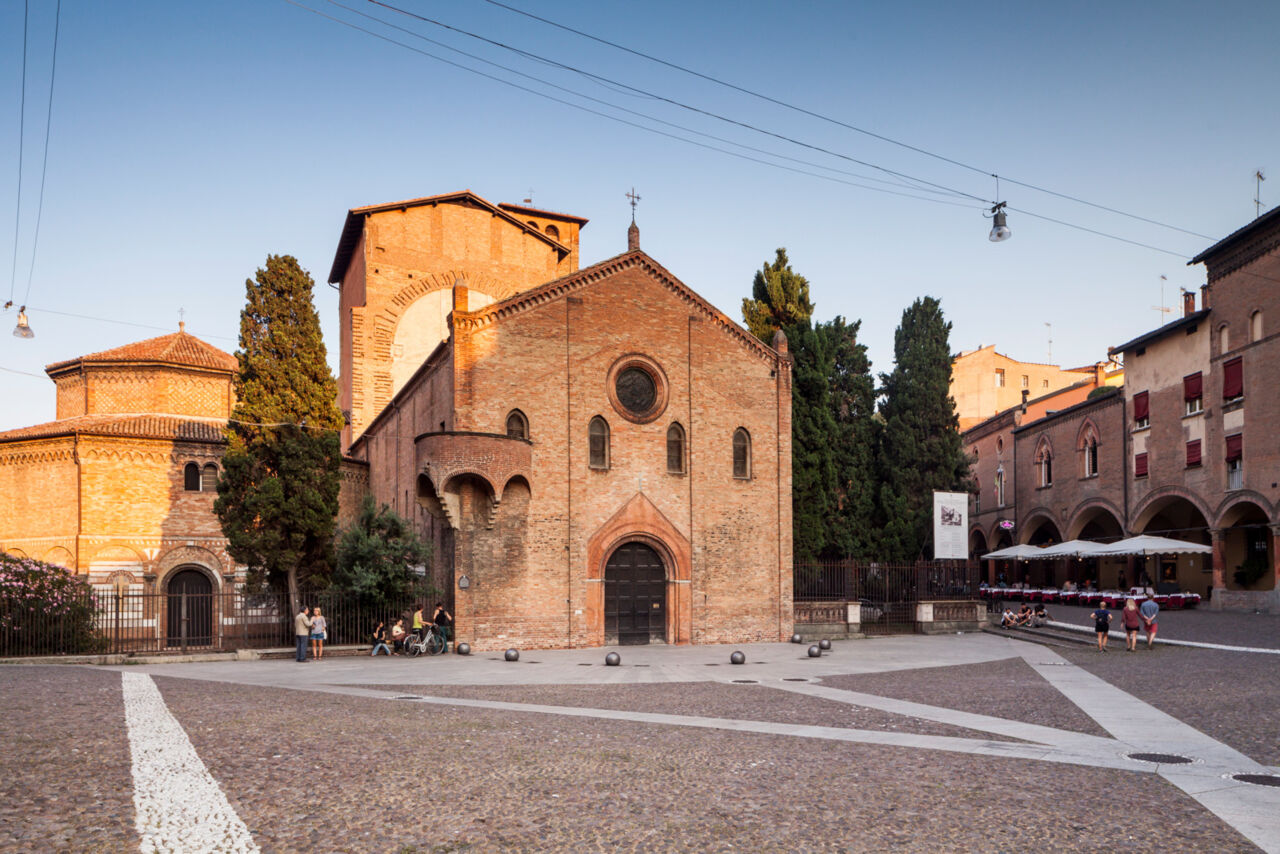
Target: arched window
517 425
675 449
598 436
1224 338
1255 326
741 454
1000 486
209 478
553 232
191 477
1044 465
1090 453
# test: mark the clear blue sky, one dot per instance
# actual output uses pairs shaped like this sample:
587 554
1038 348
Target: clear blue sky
190 140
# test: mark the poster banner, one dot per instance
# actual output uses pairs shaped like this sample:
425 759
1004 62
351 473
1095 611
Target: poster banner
950 525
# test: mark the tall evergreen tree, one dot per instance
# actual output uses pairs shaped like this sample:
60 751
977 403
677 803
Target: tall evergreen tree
780 299
813 462
278 493
852 396
920 449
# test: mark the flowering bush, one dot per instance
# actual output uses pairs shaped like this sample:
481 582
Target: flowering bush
44 609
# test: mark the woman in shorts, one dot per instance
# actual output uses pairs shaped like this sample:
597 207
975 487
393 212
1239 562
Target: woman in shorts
1102 625
318 633
1132 621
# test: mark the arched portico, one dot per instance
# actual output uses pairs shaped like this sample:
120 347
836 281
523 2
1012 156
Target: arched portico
1039 529
1248 547
1178 515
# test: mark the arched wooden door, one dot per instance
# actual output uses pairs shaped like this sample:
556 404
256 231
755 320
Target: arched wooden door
635 596
191 600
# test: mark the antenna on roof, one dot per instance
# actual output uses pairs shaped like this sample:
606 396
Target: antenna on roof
1257 196
1162 308
1049 326
529 200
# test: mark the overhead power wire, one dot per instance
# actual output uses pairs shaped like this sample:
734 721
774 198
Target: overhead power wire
620 120
22 116
38 310
611 105
674 102
837 122
44 165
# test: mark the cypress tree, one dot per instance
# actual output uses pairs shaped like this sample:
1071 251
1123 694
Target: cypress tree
813 462
278 493
780 299
919 449
852 396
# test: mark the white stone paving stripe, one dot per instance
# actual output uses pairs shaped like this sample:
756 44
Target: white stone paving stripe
1163 641
179 806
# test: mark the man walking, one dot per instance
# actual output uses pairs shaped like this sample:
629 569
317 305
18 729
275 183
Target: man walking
301 632
1149 609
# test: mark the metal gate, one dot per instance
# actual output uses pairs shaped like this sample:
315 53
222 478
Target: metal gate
888 593
189 621
635 596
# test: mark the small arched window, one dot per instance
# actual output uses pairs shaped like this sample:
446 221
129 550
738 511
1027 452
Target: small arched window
1000 486
1224 338
1255 326
741 454
598 436
553 232
1090 449
191 477
209 478
675 449
1044 465
517 425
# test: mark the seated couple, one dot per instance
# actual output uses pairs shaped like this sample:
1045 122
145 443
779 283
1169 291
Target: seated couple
1024 616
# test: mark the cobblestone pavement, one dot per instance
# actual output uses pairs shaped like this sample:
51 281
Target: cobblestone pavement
877 749
709 699
1005 689
1230 696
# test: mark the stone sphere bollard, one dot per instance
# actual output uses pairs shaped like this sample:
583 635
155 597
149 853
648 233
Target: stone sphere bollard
737 658
815 651
463 649
612 659
512 655
824 644
797 639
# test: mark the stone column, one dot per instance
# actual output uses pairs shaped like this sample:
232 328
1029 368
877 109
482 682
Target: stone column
1273 546
1219 562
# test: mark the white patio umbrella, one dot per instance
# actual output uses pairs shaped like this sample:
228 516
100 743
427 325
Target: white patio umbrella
1147 544
1073 548
1023 552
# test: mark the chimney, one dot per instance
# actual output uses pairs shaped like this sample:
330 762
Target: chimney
460 301
1025 393
1204 296
1188 302
1099 374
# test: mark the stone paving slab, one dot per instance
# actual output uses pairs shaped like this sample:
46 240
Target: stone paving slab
338 773
1008 688
65 782
704 699
1196 624
1230 696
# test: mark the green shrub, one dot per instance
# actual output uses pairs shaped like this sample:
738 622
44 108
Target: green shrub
45 609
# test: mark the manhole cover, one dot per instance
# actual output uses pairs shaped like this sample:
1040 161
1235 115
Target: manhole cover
584 663
794 679
640 665
1258 779
712 665
746 681
533 662
1161 758
406 697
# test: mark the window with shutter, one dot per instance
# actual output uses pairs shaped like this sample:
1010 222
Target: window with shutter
1193 453
1140 465
1233 379
1141 410
1193 393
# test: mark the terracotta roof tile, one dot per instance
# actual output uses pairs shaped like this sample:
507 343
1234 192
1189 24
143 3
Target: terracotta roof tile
142 426
178 348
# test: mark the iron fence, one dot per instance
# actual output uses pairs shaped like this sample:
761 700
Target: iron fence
133 622
887 592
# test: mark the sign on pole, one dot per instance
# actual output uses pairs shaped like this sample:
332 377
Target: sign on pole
950 525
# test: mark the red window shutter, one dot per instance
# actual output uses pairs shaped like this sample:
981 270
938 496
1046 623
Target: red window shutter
1232 379
1193 386
1235 447
1140 465
1141 406
1193 453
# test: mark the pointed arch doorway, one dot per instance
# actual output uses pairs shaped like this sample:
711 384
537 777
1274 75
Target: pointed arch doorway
635 596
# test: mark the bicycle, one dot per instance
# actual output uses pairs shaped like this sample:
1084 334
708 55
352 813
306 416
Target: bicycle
432 642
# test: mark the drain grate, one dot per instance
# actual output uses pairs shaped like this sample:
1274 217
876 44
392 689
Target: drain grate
794 679
407 697
640 665
1258 779
1161 758
747 681
711 665
584 663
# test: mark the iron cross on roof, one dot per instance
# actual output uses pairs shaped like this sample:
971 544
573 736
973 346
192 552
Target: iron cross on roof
634 198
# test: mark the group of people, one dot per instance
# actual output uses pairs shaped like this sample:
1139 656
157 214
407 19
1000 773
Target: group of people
1024 616
1134 617
310 625
440 618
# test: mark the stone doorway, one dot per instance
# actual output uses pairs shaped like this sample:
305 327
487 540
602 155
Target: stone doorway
189 608
635 596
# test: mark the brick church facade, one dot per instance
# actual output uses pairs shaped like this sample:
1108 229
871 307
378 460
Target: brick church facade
598 455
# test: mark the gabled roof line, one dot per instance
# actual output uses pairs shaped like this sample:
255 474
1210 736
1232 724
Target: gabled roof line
556 288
